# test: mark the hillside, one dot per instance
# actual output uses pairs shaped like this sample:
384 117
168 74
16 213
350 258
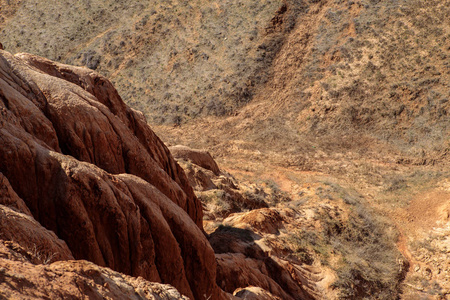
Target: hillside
83 177
319 68
330 116
173 60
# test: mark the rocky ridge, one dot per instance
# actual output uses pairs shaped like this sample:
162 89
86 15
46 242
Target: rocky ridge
353 89
76 160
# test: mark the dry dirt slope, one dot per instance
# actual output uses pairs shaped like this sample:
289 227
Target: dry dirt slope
326 68
173 60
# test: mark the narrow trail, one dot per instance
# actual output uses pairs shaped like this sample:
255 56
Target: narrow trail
402 246
426 213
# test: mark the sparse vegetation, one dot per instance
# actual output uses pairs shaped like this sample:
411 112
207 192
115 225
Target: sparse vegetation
42 256
363 241
173 62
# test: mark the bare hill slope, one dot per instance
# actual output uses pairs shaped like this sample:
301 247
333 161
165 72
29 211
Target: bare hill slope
377 69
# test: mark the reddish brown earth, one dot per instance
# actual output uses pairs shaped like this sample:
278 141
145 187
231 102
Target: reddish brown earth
424 226
76 160
21 278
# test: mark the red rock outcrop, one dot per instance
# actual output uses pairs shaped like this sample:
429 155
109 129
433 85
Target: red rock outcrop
201 158
242 262
250 263
17 224
90 131
255 248
20 278
89 168
218 190
255 293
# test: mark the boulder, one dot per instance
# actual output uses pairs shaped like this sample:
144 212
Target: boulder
254 293
201 158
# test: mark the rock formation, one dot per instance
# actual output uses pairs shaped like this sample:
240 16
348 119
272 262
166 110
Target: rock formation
17 224
255 293
250 249
22 279
199 157
76 160
218 190
245 259
281 249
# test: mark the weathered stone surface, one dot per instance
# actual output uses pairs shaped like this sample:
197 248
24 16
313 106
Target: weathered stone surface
242 262
199 157
22 279
263 220
254 293
219 192
251 250
87 126
23 229
9 198
89 168
237 271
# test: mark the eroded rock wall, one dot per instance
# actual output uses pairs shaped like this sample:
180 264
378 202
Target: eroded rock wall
85 166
